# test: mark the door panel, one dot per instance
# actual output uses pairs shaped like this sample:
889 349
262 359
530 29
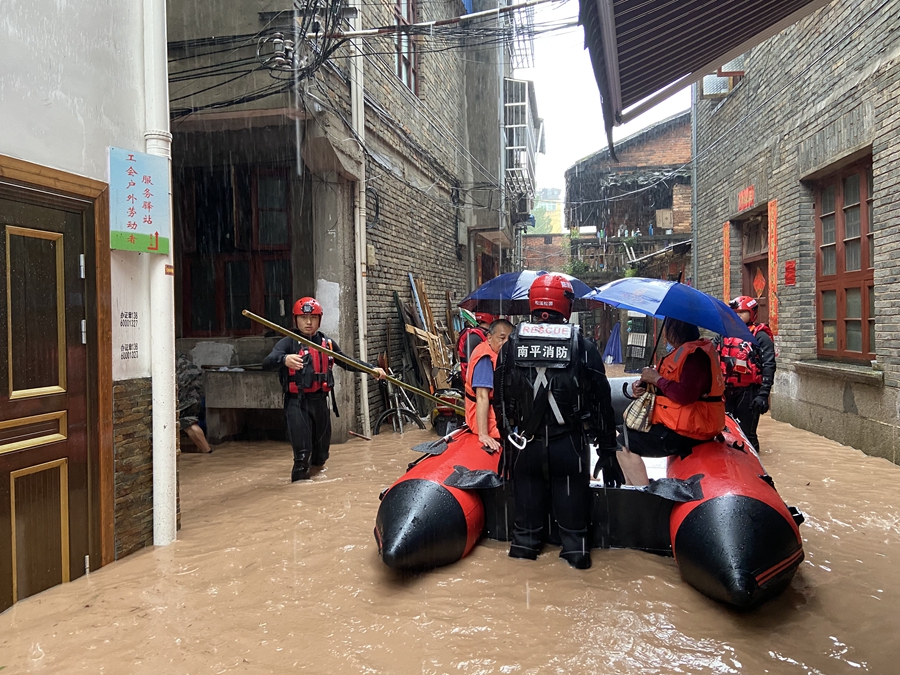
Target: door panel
35 312
44 473
755 283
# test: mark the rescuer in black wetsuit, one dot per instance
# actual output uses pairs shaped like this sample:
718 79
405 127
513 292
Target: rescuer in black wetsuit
307 378
551 392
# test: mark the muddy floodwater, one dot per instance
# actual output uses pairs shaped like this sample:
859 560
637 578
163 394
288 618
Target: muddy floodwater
269 577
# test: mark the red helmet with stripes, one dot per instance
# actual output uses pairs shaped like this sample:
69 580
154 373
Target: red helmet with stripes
744 303
307 305
551 292
484 317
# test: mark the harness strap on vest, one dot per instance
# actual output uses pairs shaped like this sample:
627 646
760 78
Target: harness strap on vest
541 380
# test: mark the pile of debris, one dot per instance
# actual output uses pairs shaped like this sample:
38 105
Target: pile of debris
428 343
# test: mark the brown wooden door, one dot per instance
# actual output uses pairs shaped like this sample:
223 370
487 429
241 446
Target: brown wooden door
44 474
755 283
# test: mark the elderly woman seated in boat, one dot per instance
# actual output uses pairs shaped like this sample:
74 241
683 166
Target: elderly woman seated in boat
689 408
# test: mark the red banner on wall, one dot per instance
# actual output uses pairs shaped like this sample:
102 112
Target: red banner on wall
790 273
746 198
726 261
773 266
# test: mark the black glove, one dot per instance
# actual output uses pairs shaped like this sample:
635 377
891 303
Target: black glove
760 404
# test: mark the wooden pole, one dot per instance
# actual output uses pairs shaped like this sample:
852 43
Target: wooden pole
346 359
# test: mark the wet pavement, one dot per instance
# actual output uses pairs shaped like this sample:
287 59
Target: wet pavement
270 577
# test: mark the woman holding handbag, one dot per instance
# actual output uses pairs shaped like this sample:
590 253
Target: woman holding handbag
688 408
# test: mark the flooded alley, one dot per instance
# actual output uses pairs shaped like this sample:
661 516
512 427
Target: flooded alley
273 577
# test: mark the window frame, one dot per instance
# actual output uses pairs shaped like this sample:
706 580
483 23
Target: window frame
842 280
407 57
254 254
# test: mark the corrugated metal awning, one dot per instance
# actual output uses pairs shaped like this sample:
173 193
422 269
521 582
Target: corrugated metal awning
643 51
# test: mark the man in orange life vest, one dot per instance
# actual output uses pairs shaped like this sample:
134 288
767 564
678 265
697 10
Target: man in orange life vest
470 338
480 414
749 369
307 378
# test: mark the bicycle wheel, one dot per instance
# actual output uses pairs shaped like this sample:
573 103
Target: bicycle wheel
402 413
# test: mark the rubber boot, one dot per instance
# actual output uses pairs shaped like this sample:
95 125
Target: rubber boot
300 471
577 559
523 552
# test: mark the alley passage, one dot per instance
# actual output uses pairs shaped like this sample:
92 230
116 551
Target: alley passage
269 577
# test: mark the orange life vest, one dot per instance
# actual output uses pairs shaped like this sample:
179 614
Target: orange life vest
704 418
484 349
464 356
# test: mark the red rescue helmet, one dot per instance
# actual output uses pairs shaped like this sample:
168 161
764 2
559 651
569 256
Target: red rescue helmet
307 305
484 317
551 292
744 303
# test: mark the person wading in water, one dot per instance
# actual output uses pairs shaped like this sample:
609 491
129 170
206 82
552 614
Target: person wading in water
308 381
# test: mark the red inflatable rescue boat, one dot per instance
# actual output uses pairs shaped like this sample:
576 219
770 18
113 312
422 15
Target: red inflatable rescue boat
740 543
433 515
717 511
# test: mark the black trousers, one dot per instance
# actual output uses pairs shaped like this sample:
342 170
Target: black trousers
737 402
309 431
556 471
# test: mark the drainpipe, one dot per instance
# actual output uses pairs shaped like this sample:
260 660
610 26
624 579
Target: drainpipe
358 119
695 226
501 110
158 141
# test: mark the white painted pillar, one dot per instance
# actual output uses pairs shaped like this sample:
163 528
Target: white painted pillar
158 141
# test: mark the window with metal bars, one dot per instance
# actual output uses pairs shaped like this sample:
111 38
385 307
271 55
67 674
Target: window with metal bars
845 289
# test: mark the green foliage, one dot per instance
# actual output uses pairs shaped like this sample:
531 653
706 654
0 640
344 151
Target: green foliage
542 222
631 271
577 268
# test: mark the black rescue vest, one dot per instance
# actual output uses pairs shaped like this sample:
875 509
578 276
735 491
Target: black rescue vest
541 384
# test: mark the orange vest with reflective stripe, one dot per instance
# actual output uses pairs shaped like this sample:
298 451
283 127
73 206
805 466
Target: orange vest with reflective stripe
484 349
704 418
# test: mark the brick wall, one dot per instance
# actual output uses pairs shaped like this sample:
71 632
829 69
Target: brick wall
540 255
789 120
133 453
681 208
669 146
417 169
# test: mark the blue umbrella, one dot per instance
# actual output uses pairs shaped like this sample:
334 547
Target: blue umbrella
671 299
613 349
508 294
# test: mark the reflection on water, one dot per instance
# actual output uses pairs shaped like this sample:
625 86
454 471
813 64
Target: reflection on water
267 576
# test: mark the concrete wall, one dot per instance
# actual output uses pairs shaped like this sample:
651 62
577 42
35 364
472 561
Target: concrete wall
72 86
419 170
832 102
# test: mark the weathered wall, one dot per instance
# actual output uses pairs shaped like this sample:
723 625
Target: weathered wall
829 104
63 110
539 255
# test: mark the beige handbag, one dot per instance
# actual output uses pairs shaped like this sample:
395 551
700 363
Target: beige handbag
639 412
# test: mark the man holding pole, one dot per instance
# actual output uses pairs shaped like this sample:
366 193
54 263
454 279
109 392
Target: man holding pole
308 381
